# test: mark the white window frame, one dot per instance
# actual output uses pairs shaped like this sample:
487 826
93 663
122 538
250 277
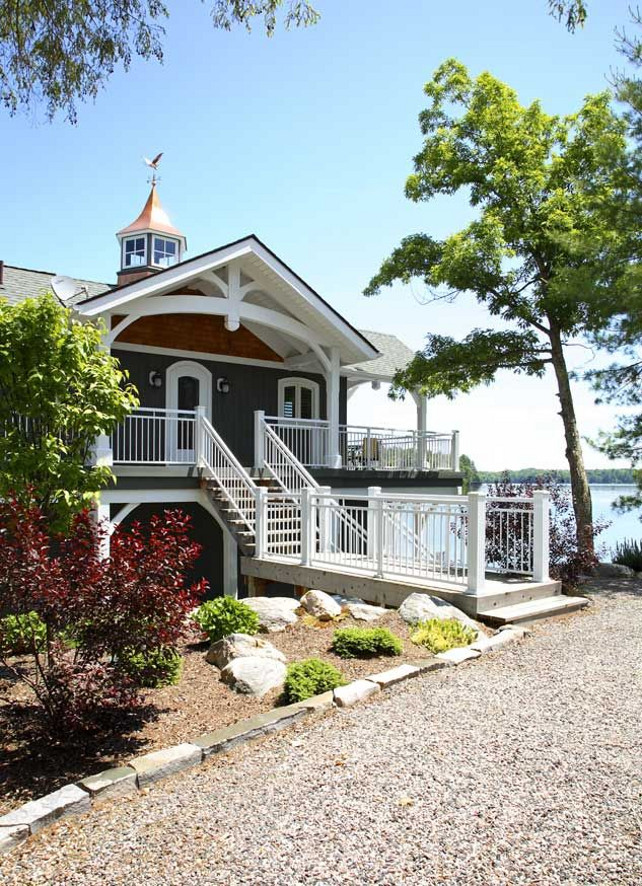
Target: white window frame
173 373
299 383
127 240
173 240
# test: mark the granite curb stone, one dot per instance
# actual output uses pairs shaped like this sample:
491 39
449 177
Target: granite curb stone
394 675
230 736
11 836
159 764
37 814
115 782
459 655
346 696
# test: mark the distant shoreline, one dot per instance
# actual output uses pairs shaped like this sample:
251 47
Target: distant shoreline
596 476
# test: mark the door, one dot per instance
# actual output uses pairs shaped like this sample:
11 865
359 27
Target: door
188 385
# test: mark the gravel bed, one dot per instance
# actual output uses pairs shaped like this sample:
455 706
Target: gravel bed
521 768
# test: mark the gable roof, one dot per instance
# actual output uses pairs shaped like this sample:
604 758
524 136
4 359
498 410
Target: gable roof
249 247
393 355
21 283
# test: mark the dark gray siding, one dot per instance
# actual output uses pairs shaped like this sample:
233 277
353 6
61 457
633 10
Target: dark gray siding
205 531
251 388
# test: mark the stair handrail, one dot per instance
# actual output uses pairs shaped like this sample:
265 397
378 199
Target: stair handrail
242 480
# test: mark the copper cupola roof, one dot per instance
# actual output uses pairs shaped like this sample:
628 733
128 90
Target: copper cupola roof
152 218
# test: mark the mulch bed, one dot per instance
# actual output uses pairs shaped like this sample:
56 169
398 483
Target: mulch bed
31 766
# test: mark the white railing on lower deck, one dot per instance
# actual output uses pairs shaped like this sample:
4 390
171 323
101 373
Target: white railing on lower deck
368 448
155 436
451 539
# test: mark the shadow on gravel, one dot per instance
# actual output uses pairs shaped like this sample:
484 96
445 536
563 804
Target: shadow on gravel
612 588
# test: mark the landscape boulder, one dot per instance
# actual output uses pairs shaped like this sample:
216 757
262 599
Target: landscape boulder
365 612
614 570
321 605
422 607
254 675
222 652
275 613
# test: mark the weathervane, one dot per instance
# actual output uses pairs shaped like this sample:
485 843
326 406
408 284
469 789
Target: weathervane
153 164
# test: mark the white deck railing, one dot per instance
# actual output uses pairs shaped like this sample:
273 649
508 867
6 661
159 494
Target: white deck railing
368 448
219 463
155 436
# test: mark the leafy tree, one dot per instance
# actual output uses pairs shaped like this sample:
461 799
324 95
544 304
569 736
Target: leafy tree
98 613
470 472
59 390
541 256
59 52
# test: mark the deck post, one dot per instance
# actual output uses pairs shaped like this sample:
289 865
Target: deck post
476 542
375 528
323 508
541 521
102 453
422 426
199 415
259 439
333 395
308 530
102 515
261 524
454 452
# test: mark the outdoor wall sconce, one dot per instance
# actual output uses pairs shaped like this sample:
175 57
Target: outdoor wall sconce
222 385
155 379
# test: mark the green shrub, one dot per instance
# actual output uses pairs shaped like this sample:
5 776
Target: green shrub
365 642
224 616
310 677
154 668
22 633
629 553
440 635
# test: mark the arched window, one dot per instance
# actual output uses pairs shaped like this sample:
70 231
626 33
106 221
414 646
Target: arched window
298 398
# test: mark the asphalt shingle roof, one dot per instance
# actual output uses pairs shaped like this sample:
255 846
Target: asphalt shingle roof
20 283
394 355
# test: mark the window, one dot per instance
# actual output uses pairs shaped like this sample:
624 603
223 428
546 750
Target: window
134 252
298 398
165 252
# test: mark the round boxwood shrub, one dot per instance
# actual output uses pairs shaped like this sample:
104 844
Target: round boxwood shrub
225 615
440 635
22 633
153 668
310 677
365 642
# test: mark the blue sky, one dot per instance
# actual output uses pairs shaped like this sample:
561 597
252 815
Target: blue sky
306 140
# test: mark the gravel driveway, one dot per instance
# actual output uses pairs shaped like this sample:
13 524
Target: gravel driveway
522 768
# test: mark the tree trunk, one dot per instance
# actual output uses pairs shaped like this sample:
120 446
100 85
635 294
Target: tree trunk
580 489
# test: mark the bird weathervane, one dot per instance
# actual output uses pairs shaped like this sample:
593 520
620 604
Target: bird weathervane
153 164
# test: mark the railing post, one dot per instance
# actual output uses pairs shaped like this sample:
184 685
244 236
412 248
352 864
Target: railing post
454 452
323 507
476 542
102 452
199 415
375 540
308 530
261 524
541 521
259 439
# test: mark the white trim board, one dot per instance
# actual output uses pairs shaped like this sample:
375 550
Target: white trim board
198 355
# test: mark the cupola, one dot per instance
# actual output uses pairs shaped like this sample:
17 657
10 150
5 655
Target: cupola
149 244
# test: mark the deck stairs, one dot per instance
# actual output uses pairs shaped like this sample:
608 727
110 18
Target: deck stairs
233 490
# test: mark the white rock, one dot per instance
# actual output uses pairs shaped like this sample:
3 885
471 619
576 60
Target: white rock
345 696
36 814
275 613
422 607
458 655
365 612
321 605
222 652
254 676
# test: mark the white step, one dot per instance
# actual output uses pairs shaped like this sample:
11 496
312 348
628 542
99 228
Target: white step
531 610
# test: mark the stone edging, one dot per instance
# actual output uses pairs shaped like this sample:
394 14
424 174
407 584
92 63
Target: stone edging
73 799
